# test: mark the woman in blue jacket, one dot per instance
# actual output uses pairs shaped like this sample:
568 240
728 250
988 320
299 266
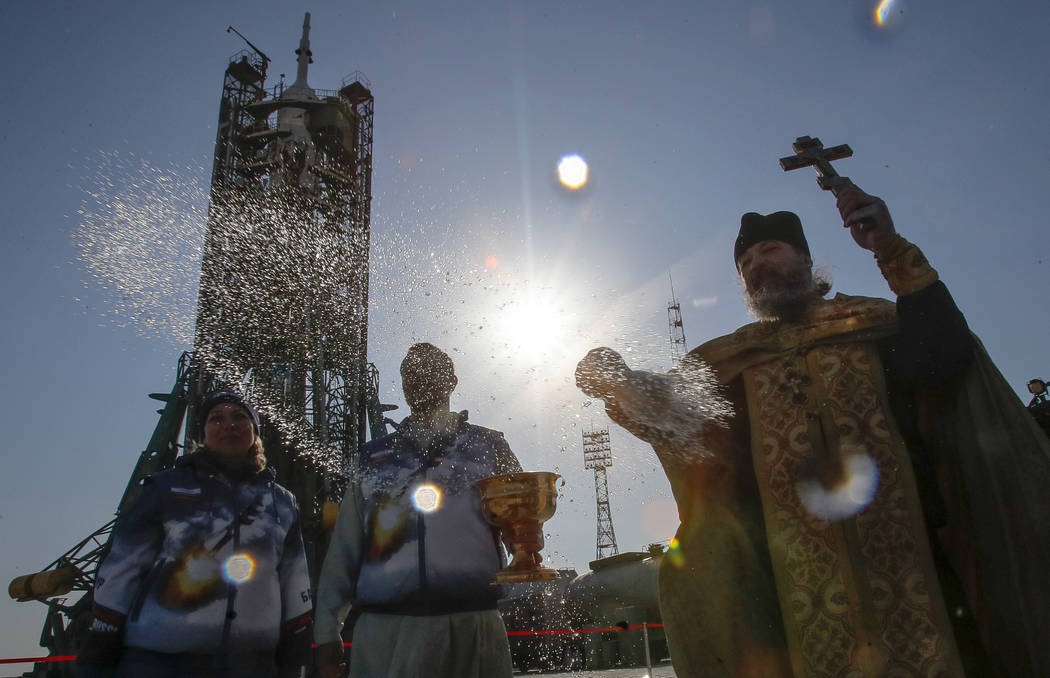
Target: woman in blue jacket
206 575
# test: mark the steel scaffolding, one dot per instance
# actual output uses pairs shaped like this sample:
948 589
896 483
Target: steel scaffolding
283 301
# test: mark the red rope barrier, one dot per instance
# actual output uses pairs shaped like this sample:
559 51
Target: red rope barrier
38 660
68 658
551 632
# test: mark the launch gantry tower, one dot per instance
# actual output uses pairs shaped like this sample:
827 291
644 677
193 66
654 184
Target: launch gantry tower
283 301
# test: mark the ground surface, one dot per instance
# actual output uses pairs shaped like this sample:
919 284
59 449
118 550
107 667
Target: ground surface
661 671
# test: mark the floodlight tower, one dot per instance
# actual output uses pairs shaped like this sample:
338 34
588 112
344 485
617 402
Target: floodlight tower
283 301
675 328
597 454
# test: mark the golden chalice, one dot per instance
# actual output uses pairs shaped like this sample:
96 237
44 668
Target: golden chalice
518 504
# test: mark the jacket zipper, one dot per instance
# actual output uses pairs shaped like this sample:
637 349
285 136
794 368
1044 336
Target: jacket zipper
421 538
231 588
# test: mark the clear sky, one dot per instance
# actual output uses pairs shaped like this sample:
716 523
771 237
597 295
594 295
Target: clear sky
681 110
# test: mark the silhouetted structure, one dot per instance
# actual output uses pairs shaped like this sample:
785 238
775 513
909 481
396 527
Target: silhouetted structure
676 329
283 304
597 455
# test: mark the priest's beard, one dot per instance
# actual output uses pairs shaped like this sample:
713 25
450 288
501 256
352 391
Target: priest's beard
787 295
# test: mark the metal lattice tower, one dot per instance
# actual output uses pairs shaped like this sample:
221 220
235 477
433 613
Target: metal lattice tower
675 328
597 454
283 301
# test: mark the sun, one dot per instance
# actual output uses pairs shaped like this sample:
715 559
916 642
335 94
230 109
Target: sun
535 324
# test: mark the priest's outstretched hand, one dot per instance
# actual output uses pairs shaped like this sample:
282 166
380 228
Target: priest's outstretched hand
677 405
601 372
867 218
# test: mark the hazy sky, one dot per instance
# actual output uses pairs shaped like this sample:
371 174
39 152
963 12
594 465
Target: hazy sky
681 110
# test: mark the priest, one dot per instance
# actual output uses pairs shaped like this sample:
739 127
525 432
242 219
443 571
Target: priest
860 491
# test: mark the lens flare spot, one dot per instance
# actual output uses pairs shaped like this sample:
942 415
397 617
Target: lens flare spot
674 553
882 12
491 262
572 171
427 498
760 24
849 497
239 568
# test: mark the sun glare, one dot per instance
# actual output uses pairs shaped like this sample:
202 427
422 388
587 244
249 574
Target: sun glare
534 324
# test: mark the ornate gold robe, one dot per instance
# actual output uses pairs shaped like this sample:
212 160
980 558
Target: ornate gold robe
762 580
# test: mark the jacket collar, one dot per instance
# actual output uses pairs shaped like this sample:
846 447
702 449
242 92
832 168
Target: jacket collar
205 461
432 440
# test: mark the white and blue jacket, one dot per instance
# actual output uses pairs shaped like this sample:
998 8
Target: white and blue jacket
410 538
206 563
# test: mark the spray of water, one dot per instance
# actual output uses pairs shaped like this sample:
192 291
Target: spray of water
442 267
139 238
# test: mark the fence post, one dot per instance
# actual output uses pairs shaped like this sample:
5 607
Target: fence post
648 657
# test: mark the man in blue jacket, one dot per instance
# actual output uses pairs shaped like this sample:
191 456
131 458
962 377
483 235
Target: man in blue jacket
411 552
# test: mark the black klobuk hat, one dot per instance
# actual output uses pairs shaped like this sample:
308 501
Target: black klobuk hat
782 226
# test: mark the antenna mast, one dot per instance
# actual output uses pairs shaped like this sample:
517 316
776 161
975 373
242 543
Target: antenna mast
675 328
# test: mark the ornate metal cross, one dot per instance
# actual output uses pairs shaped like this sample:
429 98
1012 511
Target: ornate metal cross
810 152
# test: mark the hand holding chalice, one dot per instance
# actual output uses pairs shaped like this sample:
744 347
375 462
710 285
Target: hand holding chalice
518 504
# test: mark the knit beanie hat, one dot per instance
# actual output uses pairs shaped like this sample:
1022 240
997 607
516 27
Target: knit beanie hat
217 398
